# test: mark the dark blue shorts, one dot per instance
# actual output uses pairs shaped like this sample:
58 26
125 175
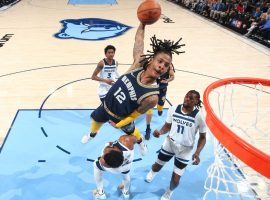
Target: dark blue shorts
100 115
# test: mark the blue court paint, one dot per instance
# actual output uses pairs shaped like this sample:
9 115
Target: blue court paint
34 165
92 2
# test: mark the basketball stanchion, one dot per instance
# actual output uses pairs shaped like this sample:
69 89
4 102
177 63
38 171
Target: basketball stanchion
238 116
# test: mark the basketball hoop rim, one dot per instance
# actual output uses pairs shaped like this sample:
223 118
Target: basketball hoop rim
250 155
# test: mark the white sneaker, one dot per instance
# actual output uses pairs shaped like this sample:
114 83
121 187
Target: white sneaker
98 195
86 138
150 176
124 193
143 148
167 195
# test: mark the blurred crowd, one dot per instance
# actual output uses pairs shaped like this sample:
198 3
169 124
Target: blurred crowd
4 3
248 17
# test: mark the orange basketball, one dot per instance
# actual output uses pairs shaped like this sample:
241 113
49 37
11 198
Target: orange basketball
149 11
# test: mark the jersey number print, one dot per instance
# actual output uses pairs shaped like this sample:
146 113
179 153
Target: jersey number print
180 129
119 95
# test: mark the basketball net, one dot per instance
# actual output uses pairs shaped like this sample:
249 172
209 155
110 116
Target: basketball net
238 115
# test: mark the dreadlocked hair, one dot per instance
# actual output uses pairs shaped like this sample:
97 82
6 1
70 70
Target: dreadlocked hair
199 104
158 46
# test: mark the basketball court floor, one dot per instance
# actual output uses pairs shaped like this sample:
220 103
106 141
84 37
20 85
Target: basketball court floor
48 51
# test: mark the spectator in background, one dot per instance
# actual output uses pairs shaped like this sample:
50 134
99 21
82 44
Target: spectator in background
255 26
249 6
265 6
6 2
264 30
268 13
256 14
220 7
240 8
224 16
201 6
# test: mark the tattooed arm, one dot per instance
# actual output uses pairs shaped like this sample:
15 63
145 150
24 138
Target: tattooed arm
138 47
146 104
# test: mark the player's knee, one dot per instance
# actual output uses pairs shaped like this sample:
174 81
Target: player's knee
178 171
160 162
137 134
129 129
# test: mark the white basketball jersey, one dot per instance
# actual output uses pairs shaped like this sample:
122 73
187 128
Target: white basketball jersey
108 72
128 159
185 126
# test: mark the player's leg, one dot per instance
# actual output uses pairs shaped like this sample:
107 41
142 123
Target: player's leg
125 185
165 154
161 100
130 129
181 160
148 122
98 192
179 168
98 117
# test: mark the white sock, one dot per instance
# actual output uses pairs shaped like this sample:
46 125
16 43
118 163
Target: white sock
152 174
98 178
170 191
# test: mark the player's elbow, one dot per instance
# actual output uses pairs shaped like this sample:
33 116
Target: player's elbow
94 77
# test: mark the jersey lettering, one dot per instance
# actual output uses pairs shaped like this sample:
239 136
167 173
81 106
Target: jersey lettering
130 88
183 122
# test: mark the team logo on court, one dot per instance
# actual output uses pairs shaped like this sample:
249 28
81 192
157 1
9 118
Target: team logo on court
91 29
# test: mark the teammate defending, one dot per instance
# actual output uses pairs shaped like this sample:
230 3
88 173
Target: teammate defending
106 72
116 158
136 91
182 123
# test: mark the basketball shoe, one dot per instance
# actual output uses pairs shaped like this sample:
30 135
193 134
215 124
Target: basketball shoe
99 196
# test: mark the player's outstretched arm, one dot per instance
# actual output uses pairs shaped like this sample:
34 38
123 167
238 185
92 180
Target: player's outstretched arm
138 47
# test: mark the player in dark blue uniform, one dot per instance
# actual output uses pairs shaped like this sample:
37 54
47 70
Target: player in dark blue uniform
163 84
162 81
136 91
